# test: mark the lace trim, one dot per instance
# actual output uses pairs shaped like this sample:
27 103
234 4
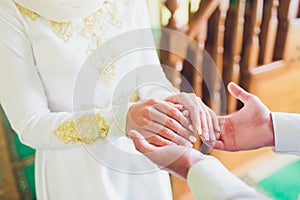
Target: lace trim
87 129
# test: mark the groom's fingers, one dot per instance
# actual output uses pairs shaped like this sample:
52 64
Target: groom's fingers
140 143
219 145
238 92
164 132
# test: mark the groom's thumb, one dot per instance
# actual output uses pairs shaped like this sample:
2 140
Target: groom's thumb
238 92
140 142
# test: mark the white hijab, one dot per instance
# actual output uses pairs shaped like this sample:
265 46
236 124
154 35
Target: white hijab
62 10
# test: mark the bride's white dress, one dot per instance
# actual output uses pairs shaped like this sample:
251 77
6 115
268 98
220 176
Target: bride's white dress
42 57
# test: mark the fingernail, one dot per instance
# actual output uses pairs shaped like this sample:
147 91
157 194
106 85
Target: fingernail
206 136
193 139
188 144
180 107
213 137
199 131
186 113
218 128
191 128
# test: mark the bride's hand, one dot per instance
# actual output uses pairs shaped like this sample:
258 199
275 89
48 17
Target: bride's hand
160 122
204 120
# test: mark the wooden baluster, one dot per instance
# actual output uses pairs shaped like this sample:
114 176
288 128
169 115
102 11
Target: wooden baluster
287 10
197 53
233 48
173 6
198 26
298 12
219 50
250 53
269 30
173 70
172 63
215 48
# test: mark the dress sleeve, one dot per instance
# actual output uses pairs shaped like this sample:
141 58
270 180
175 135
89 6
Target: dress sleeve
286 132
150 73
209 179
23 98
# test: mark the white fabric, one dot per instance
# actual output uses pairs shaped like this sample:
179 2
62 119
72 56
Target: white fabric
38 71
62 10
286 132
210 180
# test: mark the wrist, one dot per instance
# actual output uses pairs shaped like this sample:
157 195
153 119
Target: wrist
192 159
270 139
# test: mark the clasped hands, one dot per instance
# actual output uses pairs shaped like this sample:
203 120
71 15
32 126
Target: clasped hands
154 125
174 120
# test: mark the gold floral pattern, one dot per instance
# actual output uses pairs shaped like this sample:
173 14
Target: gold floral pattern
64 30
87 129
32 15
108 74
134 97
105 64
92 27
124 97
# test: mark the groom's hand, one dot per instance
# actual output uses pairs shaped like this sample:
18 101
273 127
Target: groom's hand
175 159
249 128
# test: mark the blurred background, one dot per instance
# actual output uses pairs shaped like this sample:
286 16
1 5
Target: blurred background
255 43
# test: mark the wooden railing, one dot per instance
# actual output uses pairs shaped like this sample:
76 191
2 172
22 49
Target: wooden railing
206 26
239 36
250 44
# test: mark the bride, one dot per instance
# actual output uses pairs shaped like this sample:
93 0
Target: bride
44 44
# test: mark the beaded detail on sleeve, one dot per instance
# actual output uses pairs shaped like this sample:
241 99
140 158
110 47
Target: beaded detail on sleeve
86 129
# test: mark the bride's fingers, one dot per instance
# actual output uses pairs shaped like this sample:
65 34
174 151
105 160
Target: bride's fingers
169 123
168 134
189 101
211 128
186 113
177 106
214 120
170 110
211 118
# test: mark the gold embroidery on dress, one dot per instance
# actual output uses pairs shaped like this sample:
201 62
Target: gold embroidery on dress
32 15
104 62
92 27
107 75
64 30
89 107
124 97
87 129
134 97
